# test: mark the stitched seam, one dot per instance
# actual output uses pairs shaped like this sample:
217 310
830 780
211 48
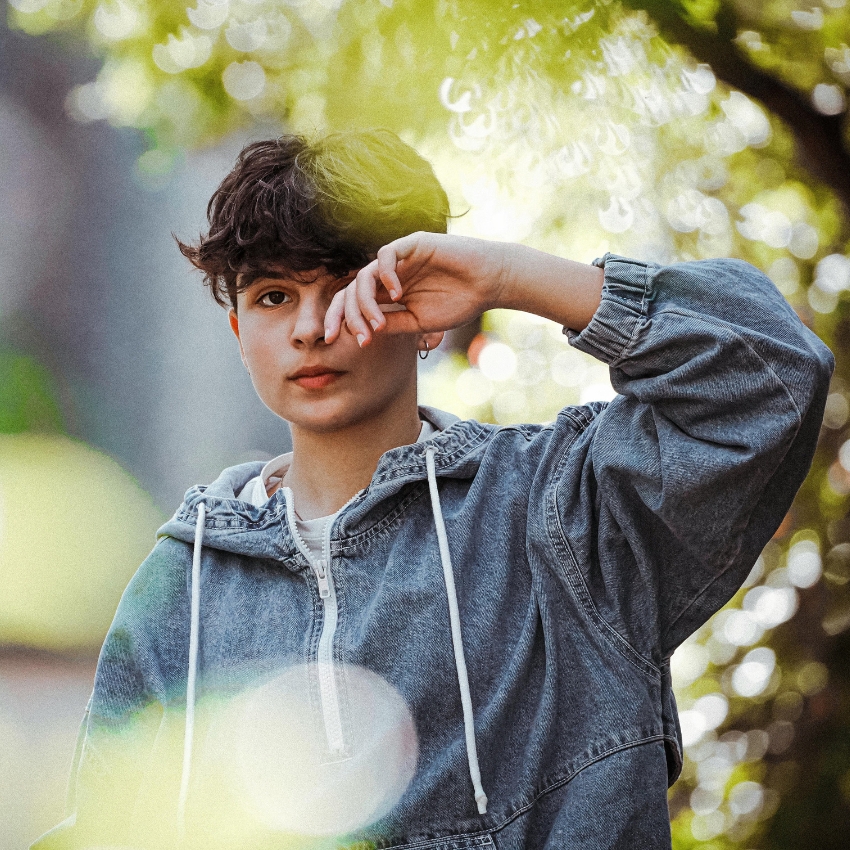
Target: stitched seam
620 644
679 760
481 838
731 562
582 416
444 459
558 783
579 421
576 580
715 322
524 429
582 592
628 305
340 546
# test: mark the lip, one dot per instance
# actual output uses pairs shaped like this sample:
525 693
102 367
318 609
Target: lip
315 377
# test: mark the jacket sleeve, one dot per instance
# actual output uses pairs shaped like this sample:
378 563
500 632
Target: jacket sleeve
684 477
127 730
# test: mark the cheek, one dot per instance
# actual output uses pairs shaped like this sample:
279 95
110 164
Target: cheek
390 359
265 352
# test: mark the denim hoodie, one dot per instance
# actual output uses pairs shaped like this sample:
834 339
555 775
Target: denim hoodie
515 662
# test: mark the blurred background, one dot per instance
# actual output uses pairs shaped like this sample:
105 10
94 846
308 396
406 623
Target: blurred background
661 130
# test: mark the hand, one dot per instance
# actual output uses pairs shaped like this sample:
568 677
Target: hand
439 282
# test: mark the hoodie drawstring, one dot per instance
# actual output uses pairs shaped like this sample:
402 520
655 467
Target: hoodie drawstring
457 645
457 642
194 628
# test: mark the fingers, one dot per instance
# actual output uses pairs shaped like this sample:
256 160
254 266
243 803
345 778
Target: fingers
401 322
334 316
354 318
402 248
387 260
365 298
357 304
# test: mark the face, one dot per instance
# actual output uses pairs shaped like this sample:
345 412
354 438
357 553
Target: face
315 386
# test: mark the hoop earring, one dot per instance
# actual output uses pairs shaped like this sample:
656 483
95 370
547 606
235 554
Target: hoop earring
427 351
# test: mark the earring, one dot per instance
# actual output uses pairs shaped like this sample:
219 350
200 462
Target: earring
427 351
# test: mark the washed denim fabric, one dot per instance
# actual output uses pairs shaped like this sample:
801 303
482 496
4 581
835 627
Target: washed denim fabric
585 551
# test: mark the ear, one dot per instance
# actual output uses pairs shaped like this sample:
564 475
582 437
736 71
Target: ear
234 326
433 339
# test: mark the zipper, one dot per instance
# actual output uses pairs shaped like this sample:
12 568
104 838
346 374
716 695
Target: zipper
321 567
325 655
322 579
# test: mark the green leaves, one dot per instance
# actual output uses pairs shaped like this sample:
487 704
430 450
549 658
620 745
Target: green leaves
27 396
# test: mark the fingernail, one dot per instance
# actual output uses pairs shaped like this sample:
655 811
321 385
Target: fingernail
374 324
361 338
327 332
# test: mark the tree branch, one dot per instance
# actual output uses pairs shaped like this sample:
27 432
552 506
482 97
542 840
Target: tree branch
821 146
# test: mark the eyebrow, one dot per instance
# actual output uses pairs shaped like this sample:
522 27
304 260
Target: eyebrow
246 281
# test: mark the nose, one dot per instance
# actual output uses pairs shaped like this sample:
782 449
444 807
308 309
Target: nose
309 327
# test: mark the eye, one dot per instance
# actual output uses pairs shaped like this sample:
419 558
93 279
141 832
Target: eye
273 298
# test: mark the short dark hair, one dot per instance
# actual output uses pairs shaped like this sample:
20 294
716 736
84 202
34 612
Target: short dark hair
296 205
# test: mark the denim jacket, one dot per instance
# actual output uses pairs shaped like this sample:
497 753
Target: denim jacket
580 554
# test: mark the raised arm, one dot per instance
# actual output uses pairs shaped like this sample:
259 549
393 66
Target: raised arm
688 472
445 281
669 493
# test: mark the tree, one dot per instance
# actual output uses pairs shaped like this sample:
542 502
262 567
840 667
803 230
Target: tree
793 61
583 127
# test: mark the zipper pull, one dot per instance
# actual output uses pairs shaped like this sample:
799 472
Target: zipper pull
322 578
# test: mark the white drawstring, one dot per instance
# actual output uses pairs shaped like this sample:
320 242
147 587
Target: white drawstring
194 627
457 642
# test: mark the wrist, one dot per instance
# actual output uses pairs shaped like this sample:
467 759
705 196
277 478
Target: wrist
507 293
562 290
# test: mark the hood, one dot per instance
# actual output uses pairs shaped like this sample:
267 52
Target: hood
235 526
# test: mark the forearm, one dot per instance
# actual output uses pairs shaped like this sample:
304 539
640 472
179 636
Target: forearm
562 290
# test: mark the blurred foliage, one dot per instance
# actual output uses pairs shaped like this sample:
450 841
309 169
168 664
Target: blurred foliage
27 401
74 527
259 779
584 127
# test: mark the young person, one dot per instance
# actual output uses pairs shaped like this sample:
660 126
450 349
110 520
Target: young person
416 631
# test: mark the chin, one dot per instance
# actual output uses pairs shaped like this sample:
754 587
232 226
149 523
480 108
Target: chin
326 415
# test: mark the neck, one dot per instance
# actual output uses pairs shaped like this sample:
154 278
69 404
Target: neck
328 468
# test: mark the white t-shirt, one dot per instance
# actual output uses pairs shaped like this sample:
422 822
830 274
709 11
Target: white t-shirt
312 531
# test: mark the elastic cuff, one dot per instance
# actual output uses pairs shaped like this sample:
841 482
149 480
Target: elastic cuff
625 296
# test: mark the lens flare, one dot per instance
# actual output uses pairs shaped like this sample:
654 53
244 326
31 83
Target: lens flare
273 737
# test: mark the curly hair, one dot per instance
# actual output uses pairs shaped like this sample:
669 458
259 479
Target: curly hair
292 205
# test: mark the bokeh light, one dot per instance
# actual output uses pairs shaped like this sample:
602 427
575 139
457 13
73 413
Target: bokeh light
270 737
261 774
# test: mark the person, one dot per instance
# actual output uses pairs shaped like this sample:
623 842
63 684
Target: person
417 631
